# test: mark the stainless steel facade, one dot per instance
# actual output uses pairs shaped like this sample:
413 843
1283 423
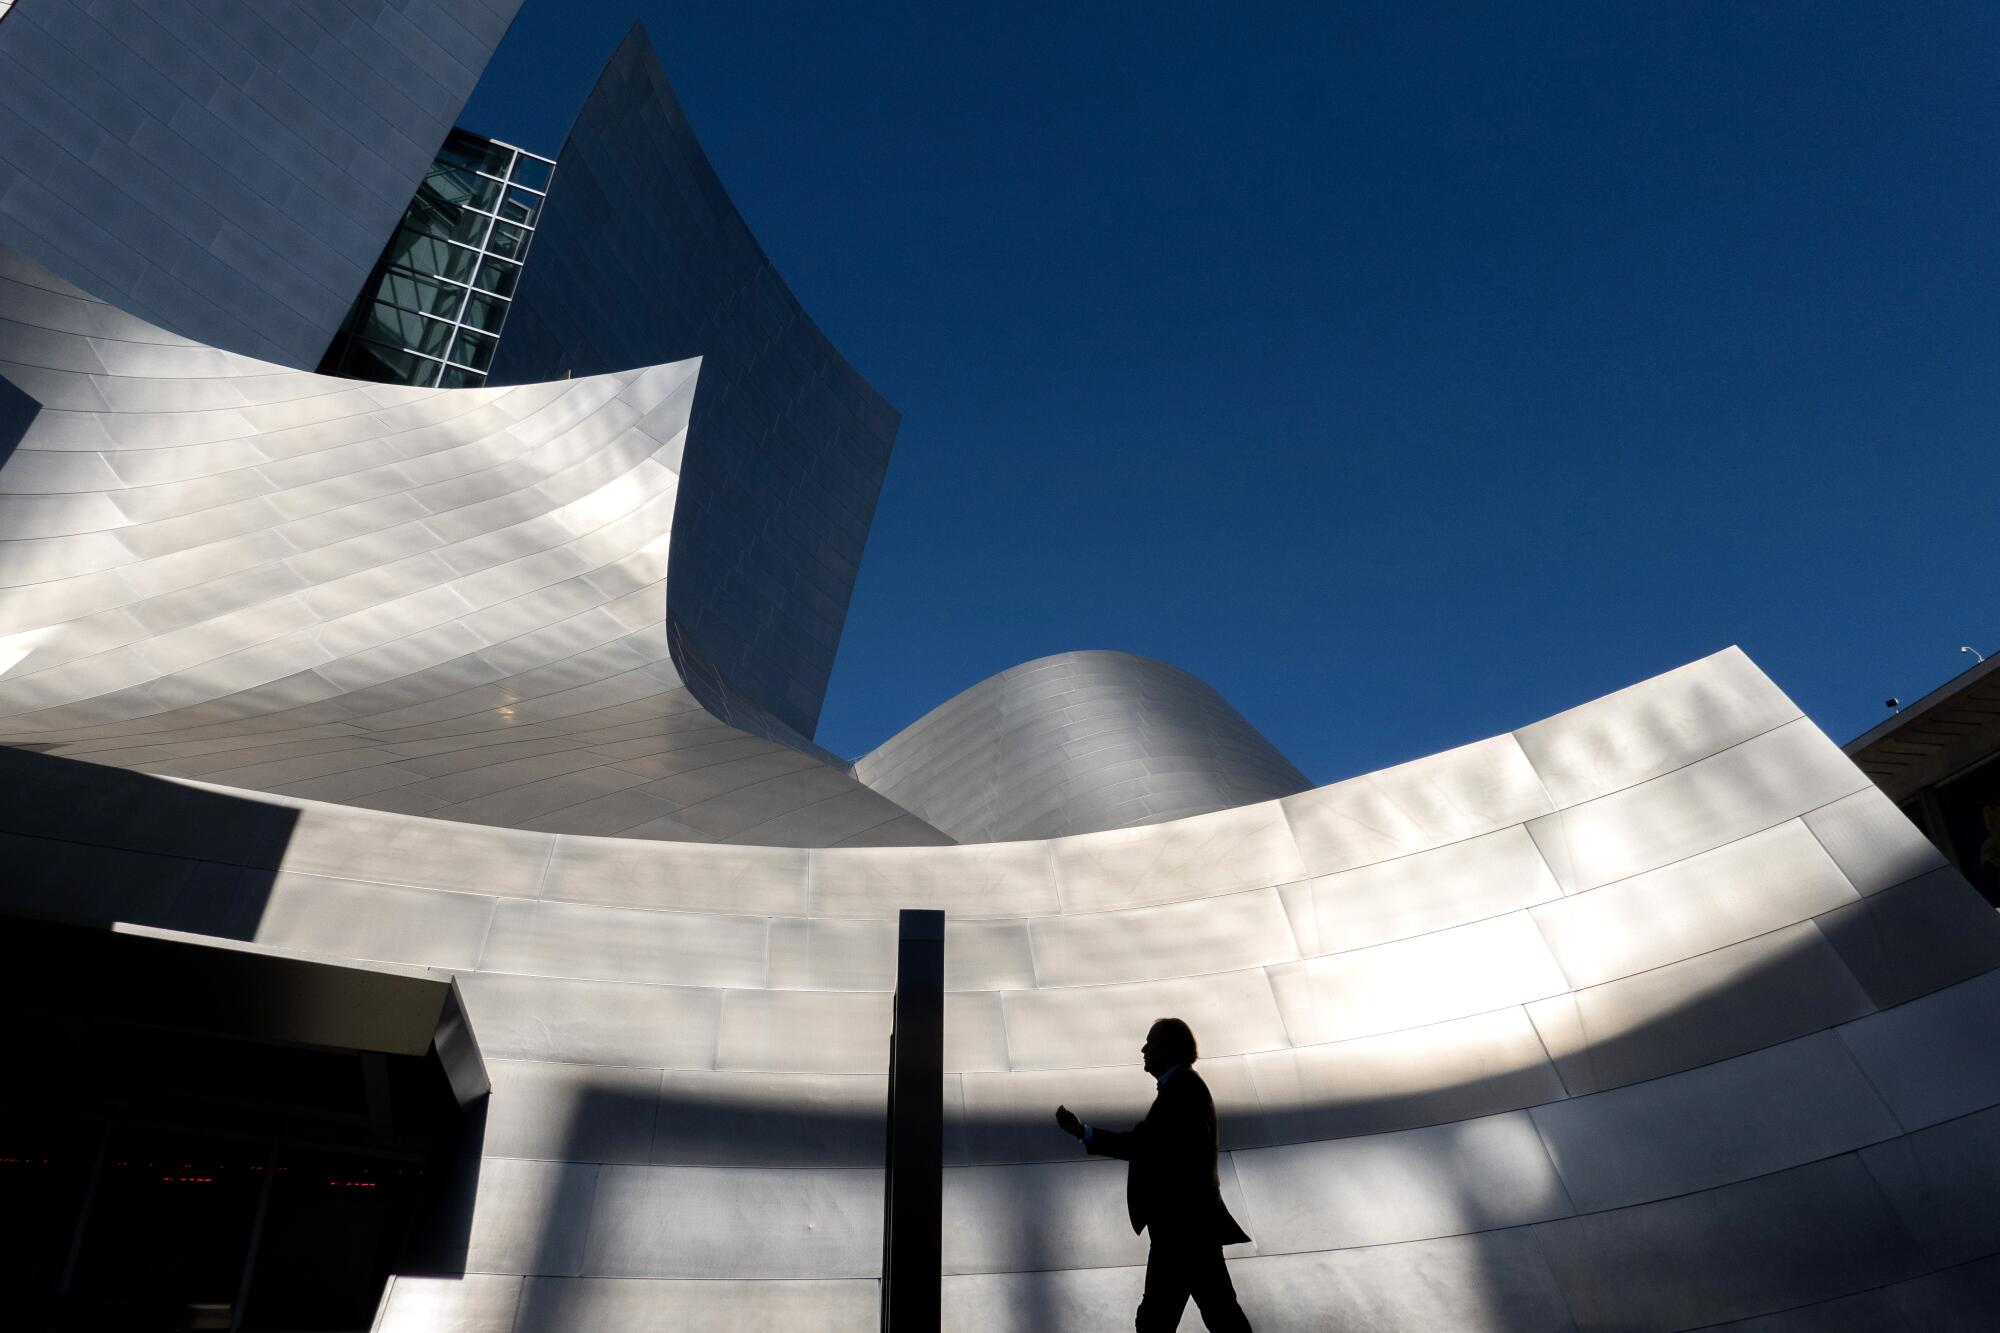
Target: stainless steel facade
226 170
1073 744
444 602
642 258
1652 1015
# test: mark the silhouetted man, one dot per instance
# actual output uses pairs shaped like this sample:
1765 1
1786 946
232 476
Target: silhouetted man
1171 1188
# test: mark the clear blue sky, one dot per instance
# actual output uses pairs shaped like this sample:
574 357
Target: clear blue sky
1408 371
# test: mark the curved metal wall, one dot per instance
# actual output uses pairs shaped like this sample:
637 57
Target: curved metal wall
1073 744
438 601
228 171
640 257
1654 1015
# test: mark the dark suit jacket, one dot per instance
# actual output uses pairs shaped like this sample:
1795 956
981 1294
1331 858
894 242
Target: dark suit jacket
1171 1184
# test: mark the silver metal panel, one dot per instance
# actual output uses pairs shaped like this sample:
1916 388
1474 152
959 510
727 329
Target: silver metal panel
1228 933
465 1303
1473 1175
1730 1252
637 1305
1736 999
999 1219
340 918
732 1222
831 1032
1758 1113
1941 1182
1737 891
1654 727
1865 1312
1446 797
335 841
593 1022
571 1112
1052 1298
1410 983
1077 743
1455 1070
1492 1282
997 879
89 882
1196 857
611 944
1874 844
1447 886
1916 937
776 1119
529 1217
1230 1012
1958 1300
975 1031
1755 785
1931 1059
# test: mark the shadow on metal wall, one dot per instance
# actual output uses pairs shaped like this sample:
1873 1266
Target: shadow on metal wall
18 410
1759 1007
94 844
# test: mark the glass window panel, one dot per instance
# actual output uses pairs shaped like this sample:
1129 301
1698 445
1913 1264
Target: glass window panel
445 191
388 365
456 377
468 226
532 172
497 275
414 292
485 312
473 349
509 241
400 328
427 254
519 206
474 153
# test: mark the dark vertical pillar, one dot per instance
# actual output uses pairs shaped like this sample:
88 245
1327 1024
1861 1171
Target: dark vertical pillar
913 1202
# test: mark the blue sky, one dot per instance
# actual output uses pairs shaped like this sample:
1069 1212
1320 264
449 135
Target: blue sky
1407 371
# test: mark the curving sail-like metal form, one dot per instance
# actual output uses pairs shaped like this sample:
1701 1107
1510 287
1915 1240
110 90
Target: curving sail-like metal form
446 602
640 257
1654 1015
1073 744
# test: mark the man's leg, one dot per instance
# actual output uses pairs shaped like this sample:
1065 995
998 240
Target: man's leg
1214 1294
1166 1289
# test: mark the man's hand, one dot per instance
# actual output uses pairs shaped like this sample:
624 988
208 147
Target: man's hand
1067 1122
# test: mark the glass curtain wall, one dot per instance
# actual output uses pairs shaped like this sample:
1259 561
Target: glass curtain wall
431 312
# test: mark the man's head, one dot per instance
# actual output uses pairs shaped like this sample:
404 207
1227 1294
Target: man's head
1169 1042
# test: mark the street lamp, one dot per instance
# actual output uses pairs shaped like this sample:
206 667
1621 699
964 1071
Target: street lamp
1977 656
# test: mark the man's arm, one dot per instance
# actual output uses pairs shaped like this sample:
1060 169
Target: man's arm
1099 1142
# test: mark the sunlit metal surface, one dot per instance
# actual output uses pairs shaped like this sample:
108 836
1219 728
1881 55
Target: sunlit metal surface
446 602
1075 744
1702 1037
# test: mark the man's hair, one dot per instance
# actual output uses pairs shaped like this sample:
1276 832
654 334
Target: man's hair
1177 1039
